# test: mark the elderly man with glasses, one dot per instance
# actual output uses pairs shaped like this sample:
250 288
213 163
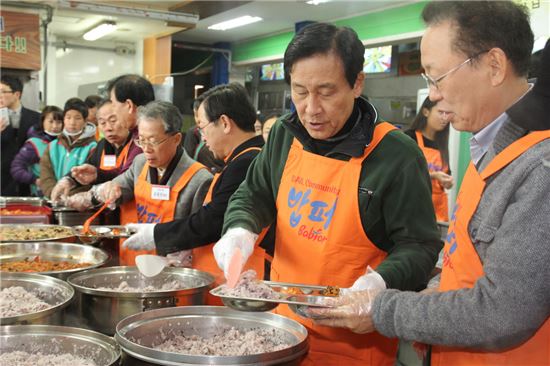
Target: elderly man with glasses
164 181
492 306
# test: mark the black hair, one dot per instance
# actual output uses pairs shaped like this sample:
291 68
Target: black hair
324 38
76 104
92 100
441 137
102 103
233 101
197 102
483 25
13 82
57 115
134 87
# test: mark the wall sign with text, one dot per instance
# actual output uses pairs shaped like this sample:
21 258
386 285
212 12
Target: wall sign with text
20 40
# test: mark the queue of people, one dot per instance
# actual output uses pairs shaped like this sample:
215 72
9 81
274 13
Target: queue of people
332 194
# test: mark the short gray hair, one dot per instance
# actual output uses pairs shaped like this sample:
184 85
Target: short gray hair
168 113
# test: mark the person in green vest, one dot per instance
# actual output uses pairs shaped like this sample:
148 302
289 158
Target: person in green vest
25 167
72 148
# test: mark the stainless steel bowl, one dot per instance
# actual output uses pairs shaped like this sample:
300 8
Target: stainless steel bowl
54 251
51 290
70 217
48 339
59 237
137 334
101 310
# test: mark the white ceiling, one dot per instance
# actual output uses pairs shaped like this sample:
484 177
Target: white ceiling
278 16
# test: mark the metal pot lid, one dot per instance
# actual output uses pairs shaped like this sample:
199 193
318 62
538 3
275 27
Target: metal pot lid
137 334
54 251
52 291
96 281
103 350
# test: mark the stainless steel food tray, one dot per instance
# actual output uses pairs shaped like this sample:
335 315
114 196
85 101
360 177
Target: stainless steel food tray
310 297
54 251
4 227
51 290
104 232
137 334
32 201
46 339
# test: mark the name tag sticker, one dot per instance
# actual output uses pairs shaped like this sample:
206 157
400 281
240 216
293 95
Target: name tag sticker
109 160
160 193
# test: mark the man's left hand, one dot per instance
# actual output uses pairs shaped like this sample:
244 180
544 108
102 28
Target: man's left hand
143 239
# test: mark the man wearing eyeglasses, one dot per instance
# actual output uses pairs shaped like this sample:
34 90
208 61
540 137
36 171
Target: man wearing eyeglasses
164 181
15 122
492 306
225 119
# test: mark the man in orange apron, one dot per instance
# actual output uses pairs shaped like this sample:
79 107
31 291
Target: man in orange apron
226 121
493 303
347 191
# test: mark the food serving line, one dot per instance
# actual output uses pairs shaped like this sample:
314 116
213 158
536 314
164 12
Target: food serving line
151 318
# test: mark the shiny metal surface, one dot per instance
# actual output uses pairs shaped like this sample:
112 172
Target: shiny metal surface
99 232
101 310
33 201
23 227
48 339
54 251
50 290
297 296
137 334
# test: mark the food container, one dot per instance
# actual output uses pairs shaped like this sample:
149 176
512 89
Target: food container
137 334
55 252
48 339
98 233
50 290
70 217
35 233
25 214
101 310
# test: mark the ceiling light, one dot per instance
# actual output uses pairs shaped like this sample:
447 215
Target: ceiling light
234 23
100 30
316 2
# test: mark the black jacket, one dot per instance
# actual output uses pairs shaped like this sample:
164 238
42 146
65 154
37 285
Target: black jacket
12 140
205 226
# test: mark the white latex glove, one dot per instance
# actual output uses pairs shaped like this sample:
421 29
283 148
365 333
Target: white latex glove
143 239
234 238
84 174
371 280
80 201
61 189
108 191
182 258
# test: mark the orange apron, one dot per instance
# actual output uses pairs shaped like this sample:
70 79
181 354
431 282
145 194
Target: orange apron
435 164
203 257
150 210
320 240
462 267
120 159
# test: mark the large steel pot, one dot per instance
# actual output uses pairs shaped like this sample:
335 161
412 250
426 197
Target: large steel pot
101 310
70 217
50 290
54 251
139 333
49 340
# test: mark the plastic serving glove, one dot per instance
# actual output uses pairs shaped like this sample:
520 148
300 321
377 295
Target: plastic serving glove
107 191
80 201
61 189
143 239
234 238
352 311
371 280
84 174
182 258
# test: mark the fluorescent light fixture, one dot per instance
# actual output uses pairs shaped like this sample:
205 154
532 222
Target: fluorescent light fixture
316 2
100 30
234 23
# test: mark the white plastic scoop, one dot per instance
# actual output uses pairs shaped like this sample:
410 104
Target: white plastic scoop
150 265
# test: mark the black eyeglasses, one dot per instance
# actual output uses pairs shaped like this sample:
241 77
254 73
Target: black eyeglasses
434 82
